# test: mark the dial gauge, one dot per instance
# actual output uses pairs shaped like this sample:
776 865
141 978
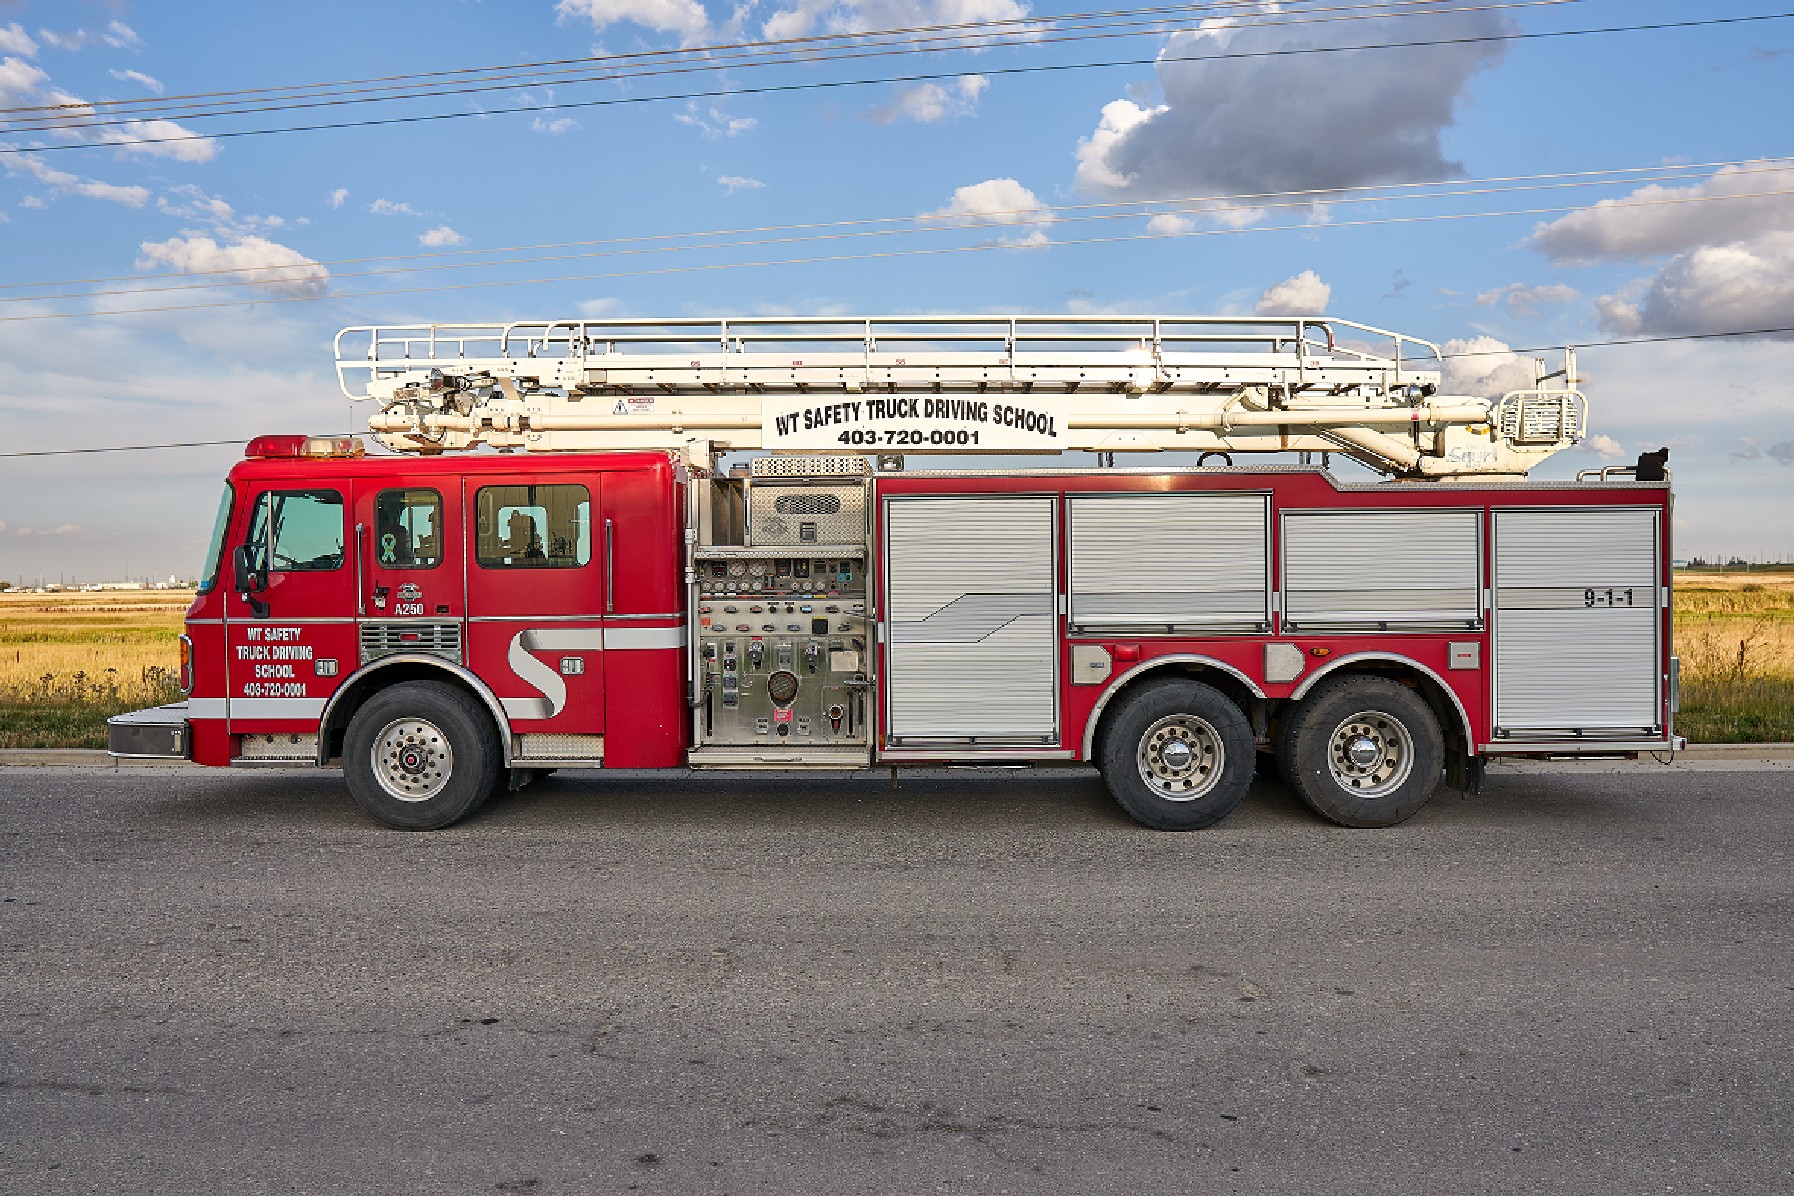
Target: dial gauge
737 568
758 568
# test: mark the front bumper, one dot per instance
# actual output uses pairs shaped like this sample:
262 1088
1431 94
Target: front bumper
158 733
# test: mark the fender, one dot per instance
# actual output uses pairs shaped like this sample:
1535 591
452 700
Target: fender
1309 682
436 662
1096 712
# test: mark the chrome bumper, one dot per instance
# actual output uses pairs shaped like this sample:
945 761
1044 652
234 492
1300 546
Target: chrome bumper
157 733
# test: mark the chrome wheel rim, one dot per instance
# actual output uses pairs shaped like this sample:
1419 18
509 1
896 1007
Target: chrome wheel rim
1180 757
412 759
1370 754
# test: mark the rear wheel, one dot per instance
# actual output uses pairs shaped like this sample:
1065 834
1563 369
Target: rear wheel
420 756
1178 755
1364 751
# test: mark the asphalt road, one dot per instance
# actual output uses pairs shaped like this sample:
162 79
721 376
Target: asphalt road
972 983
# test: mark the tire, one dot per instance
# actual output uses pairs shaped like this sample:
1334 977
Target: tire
1364 751
421 756
1178 755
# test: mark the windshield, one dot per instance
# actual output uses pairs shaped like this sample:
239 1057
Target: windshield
208 569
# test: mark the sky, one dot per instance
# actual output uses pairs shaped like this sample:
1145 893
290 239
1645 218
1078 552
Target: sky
1275 154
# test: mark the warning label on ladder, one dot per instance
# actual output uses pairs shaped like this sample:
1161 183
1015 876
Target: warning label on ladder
1029 423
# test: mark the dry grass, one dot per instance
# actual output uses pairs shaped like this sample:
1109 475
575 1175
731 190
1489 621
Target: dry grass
69 661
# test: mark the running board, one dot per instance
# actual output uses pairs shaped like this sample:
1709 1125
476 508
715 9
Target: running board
755 756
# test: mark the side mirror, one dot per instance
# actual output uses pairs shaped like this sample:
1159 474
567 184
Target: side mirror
249 580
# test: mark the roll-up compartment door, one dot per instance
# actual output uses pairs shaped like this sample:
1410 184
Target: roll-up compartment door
1577 622
1378 569
971 652
1170 562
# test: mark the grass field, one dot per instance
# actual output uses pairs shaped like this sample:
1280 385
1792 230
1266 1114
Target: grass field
69 661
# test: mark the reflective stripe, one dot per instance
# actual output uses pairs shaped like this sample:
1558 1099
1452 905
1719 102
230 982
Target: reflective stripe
205 708
633 638
309 708
543 678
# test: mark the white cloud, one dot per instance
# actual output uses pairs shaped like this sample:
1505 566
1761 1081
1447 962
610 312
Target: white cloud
336 197
1605 447
1303 295
14 40
601 309
1714 288
248 259
1528 300
735 182
165 139
553 128
32 201
931 103
62 180
73 40
1485 368
998 203
1680 218
19 79
386 207
683 17
441 235
148 82
856 16
716 123
121 36
1245 126
1169 224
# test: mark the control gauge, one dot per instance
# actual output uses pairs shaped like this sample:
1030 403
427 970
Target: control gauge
737 568
757 568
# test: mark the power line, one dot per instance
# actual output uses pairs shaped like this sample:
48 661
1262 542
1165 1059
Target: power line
1043 68
1657 172
1031 31
893 253
1615 342
1016 218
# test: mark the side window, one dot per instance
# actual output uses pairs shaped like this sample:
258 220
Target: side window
533 527
297 531
408 529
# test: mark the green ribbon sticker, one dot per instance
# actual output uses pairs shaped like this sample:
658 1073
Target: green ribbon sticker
389 549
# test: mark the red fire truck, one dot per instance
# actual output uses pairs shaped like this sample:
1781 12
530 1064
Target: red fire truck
545 564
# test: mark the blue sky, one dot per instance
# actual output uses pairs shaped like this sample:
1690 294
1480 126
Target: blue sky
969 147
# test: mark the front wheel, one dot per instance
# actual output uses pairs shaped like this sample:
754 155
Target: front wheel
1178 755
420 756
1364 751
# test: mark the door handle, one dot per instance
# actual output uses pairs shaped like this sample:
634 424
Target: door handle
610 571
361 589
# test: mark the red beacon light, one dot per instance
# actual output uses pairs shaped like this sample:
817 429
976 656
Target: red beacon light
304 446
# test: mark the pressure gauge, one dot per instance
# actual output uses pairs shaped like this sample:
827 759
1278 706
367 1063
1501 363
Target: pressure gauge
737 568
758 568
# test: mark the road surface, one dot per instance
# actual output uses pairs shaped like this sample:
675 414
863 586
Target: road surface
232 982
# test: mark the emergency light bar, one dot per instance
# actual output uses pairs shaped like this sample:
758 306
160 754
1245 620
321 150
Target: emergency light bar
304 446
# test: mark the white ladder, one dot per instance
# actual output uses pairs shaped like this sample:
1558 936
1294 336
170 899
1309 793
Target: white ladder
972 383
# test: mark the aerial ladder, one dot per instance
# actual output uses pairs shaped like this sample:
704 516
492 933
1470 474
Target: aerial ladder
1018 384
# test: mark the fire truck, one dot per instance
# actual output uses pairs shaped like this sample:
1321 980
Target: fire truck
705 544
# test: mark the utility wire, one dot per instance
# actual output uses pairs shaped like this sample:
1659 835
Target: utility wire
817 48
1043 68
1617 342
895 253
69 117
1042 216
1630 174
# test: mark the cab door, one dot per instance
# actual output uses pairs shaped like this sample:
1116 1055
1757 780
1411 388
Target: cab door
409 550
289 636
536 591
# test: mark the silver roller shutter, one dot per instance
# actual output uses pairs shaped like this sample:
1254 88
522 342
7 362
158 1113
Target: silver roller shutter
1577 622
1366 570
972 651
1170 562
